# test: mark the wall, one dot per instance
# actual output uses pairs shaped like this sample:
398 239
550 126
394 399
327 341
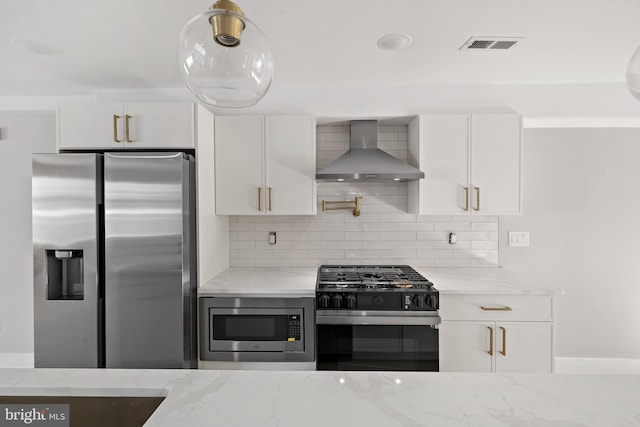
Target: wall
21 134
384 233
581 206
213 230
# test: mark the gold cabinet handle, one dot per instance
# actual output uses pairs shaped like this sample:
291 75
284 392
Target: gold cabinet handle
126 128
259 198
490 341
477 190
466 198
504 341
269 197
505 308
115 128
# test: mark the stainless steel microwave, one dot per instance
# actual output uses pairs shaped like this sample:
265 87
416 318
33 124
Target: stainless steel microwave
257 329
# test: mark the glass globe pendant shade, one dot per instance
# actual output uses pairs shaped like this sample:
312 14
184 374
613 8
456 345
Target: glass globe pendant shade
633 75
224 58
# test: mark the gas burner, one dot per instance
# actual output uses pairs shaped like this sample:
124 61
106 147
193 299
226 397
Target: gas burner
374 288
367 277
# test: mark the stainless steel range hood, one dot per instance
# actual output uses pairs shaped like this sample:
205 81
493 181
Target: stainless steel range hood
365 161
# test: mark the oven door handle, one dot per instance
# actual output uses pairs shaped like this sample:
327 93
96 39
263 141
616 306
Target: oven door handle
377 320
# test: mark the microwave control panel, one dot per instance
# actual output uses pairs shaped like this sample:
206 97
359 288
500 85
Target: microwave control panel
294 327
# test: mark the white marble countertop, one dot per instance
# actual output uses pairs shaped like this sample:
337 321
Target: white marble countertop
350 399
264 281
301 281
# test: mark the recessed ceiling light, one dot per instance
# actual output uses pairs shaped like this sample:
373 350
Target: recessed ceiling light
31 46
395 41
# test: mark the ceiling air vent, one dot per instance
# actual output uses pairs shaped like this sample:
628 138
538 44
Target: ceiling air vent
490 43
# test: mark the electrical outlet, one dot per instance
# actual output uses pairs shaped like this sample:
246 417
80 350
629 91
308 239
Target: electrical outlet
518 238
272 238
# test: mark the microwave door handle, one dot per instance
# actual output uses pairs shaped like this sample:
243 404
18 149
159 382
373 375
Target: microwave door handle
377 320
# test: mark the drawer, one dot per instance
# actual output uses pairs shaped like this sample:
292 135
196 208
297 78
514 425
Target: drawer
496 307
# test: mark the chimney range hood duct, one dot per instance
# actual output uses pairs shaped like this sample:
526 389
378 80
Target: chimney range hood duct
365 161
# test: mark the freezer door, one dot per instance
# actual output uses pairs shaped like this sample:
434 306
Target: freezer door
148 274
65 258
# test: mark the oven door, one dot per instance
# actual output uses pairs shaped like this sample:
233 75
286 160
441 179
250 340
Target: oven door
377 341
256 329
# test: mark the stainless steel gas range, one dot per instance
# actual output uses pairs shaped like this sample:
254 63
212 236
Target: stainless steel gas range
376 318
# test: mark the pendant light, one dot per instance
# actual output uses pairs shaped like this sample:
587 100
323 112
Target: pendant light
633 74
224 58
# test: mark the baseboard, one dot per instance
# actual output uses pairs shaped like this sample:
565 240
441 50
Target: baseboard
16 360
593 365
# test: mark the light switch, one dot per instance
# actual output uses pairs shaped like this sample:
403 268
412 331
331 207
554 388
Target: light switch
518 238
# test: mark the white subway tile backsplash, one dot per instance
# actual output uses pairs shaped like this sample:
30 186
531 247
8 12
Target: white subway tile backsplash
484 226
362 235
453 226
242 244
380 226
346 244
273 226
416 226
341 226
384 233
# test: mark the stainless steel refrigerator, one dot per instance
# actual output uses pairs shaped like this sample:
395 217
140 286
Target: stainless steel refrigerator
114 260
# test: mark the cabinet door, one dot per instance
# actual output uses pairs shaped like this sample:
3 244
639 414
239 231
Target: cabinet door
524 347
159 125
443 156
465 346
91 126
495 163
290 165
239 165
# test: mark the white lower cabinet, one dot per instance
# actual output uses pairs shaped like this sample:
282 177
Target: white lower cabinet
497 333
496 347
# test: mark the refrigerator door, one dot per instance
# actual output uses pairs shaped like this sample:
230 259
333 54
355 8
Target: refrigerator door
65 256
149 288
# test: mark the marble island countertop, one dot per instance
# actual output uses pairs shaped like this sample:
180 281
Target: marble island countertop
301 281
350 399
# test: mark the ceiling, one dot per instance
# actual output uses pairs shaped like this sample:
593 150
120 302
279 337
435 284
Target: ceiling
571 60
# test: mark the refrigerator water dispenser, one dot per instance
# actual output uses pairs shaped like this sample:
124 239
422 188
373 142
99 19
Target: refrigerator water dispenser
65 274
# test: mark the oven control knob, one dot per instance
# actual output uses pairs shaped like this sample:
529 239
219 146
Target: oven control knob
323 301
432 302
350 300
337 300
419 301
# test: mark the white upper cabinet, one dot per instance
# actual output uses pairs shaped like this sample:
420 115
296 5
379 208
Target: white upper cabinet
265 165
126 126
495 163
472 164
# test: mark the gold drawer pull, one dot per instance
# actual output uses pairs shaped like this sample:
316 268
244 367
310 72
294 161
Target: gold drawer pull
259 198
505 308
477 208
490 341
115 128
504 341
126 128
466 198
